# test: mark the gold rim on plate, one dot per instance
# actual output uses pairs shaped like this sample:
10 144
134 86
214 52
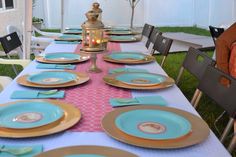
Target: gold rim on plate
68 39
81 78
80 150
111 80
71 116
84 57
146 59
200 130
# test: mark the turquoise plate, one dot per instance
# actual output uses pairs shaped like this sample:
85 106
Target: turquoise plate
52 77
25 115
62 56
119 32
141 79
78 29
126 55
153 124
76 37
71 31
85 155
118 29
122 38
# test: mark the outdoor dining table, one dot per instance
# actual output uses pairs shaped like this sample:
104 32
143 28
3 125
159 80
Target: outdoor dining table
211 147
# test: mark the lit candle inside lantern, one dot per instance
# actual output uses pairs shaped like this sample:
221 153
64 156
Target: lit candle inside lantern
94 42
98 41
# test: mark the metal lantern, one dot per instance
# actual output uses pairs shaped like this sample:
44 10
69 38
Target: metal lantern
97 10
92 32
93 42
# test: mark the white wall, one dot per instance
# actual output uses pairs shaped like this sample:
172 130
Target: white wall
12 17
201 13
222 12
170 12
157 12
215 12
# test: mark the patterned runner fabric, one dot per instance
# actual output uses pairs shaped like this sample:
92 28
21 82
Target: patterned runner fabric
92 98
232 61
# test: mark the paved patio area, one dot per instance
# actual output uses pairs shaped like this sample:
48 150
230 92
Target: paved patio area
182 41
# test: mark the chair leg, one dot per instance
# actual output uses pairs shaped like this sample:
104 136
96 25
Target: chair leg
163 61
195 104
233 141
195 95
232 144
13 66
179 75
152 52
227 130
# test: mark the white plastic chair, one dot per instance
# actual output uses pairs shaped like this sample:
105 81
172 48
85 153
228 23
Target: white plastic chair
45 34
4 82
22 62
38 44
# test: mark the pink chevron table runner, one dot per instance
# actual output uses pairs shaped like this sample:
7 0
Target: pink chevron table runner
92 98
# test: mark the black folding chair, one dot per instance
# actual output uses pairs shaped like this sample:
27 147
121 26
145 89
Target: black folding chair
215 32
224 95
9 43
147 30
195 63
162 46
151 40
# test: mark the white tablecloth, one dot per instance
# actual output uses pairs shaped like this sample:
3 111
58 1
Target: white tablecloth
211 147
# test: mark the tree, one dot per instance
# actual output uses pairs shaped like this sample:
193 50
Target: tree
133 4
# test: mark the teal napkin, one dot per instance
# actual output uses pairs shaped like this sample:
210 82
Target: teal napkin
55 66
146 100
67 42
32 94
120 70
36 150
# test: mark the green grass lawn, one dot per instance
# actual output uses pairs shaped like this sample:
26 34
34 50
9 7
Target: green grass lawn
207 108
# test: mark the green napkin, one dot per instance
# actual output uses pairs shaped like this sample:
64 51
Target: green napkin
32 94
55 66
67 42
35 150
146 100
120 70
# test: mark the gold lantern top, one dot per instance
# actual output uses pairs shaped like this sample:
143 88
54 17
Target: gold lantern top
93 30
97 10
92 22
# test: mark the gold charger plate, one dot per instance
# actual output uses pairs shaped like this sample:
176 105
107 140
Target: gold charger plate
147 59
68 39
80 150
84 57
111 80
121 33
81 78
200 130
71 116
